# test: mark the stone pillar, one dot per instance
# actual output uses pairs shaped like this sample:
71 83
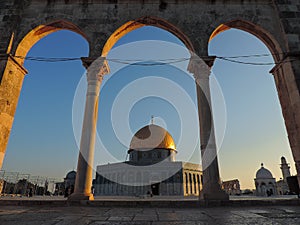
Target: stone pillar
11 81
211 178
197 185
95 71
189 184
183 183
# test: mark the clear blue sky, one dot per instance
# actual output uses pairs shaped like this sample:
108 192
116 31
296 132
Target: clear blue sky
42 140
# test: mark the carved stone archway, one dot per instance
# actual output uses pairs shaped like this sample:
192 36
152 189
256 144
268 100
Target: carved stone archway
11 79
97 68
98 20
285 82
146 21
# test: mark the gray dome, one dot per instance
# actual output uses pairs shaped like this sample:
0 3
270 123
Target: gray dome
71 175
263 173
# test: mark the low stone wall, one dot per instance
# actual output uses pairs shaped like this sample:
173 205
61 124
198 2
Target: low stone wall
149 203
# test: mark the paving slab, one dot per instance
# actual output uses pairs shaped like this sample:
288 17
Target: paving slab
78 215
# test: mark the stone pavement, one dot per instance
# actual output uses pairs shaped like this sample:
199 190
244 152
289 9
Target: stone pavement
47 215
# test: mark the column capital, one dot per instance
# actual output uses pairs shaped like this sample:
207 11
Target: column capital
209 60
287 57
8 62
201 67
15 61
96 68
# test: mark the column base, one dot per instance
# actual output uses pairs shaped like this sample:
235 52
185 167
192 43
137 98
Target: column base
80 197
217 195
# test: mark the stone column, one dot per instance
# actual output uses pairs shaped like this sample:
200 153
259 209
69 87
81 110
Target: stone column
197 185
193 183
95 71
12 74
189 184
211 178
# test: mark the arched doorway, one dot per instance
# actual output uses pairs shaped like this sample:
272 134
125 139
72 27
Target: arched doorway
42 131
41 31
12 80
99 67
283 75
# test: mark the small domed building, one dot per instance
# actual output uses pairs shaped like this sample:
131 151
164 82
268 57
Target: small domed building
70 179
265 184
67 185
151 169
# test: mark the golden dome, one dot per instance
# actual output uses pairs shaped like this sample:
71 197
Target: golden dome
150 137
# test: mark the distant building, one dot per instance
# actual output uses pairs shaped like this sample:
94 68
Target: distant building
282 185
67 186
150 169
264 182
232 187
285 169
22 187
293 185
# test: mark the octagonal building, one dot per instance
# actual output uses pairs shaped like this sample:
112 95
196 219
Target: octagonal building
151 169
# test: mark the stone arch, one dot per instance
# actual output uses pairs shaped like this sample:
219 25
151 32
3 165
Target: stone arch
284 73
141 22
255 30
41 31
283 77
13 73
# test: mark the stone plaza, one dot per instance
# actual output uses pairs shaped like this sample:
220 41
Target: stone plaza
102 23
47 215
56 210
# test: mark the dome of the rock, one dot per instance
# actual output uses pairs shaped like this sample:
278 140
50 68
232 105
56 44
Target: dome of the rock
152 137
